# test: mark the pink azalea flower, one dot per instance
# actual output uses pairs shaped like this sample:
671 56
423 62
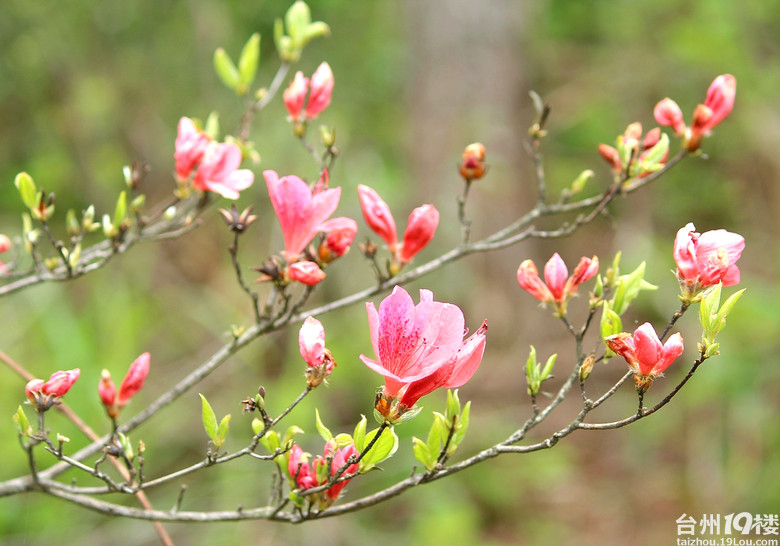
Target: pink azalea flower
419 348
645 354
559 285
301 214
191 144
133 382
44 395
706 259
340 236
668 114
219 173
311 342
377 215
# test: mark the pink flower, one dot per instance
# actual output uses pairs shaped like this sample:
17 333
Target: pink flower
419 231
419 348
321 91
191 144
132 383
5 245
645 354
295 95
706 259
321 86
304 474
301 214
720 100
306 272
44 395
218 171
340 236
559 285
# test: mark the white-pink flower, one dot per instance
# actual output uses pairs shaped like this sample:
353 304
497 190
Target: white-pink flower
218 171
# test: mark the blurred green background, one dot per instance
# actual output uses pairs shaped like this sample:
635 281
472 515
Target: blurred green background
90 86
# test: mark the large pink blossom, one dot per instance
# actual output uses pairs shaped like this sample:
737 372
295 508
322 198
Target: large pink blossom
218 171
645 354
705 259
419 348
301 214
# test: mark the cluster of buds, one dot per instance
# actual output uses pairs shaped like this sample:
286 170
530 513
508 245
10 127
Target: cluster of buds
319 90
717 105
217 163
306 474
114 400
311 343
557 286
420 229
634 155
43 395
473 166
645 354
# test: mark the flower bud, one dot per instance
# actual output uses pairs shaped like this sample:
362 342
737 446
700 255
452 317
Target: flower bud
668 114
321 90
473 166
419 231
611 156
308 273
107 392
295 95
134 380
378 216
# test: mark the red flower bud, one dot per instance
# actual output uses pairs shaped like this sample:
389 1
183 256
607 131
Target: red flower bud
473 166
134 380
321 90
378 216
308 273
419 231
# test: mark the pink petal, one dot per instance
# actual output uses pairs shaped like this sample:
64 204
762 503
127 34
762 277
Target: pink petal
555 275
311 342
648 348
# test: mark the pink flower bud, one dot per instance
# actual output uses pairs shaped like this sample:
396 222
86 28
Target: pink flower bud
555 275
321 90
295 95
419 231
308 273
473 166
32 389
668 114
340 238
633 132
586 269
134 380
378 216
60 382
311 342
720 98
191 144
107 391
528 279
611 156
651 138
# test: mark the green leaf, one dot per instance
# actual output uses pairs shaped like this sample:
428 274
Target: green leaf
291 432
422 453
360 433
655 155
317 29
222 431
579 183
343 440
321 428
226 70
271 441
209 419
548 367
383 449
248 61
628 287
212 125
297 19
460 429
453 405
21 422
27 190
257 426
438 433
530 365
120 212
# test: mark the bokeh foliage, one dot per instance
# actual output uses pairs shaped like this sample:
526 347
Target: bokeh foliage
87 87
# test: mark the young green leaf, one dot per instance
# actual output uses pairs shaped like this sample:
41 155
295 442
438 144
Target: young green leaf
326 434
222 430
209 419
384 448
27 190
360 433
226 70
423 454
248 61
